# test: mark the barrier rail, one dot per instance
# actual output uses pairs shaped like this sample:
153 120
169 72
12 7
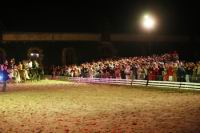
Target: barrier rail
165 84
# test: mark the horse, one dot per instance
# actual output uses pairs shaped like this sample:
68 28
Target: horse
15 75
36 73
23 75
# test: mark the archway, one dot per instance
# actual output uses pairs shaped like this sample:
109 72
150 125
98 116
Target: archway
69 56
2 56
106 50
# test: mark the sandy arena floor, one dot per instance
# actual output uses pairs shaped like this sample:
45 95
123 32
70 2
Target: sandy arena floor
62 107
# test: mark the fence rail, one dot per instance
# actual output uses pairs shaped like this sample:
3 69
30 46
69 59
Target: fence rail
129 82
165 84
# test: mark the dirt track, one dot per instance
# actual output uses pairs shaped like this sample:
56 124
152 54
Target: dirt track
62 107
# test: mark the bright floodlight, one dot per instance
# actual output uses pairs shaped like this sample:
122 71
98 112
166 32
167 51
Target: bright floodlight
148 22
35 55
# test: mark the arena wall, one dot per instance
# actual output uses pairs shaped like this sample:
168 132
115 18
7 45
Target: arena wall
88 47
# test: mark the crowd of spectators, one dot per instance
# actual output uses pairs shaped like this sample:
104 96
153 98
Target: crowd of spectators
165 67
18 71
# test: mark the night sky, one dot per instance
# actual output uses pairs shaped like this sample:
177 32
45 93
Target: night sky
175 17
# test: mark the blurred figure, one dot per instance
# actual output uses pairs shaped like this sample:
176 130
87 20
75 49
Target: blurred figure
4 76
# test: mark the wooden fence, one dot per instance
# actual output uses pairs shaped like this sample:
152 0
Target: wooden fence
165 84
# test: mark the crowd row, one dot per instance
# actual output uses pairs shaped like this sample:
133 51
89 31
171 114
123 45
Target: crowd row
166 67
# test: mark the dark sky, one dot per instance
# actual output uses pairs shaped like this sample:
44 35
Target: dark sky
175 16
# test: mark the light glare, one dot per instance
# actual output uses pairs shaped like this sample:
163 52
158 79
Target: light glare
1 77
148 22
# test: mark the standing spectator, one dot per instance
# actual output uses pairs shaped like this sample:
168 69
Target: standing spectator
139 73
175 68
4 76
12 63
20 67
198 72
127 71
143 74
117 72
194 74
53 72
134 71
181 74
170 73
90 72
188 71
160 71
123 76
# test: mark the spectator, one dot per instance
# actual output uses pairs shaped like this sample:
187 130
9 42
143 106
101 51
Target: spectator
4 76
165 67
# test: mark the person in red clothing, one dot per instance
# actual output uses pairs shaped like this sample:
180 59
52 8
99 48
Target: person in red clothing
150 73
170 73
117 72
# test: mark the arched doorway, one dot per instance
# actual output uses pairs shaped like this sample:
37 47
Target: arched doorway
35 53
69 56
106 50
2 56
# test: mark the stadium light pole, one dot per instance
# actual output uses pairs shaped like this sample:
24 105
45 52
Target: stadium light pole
148 24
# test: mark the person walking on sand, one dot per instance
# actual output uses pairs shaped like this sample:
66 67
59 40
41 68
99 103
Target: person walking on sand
4 76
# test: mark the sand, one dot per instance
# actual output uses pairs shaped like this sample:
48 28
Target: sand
64 107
